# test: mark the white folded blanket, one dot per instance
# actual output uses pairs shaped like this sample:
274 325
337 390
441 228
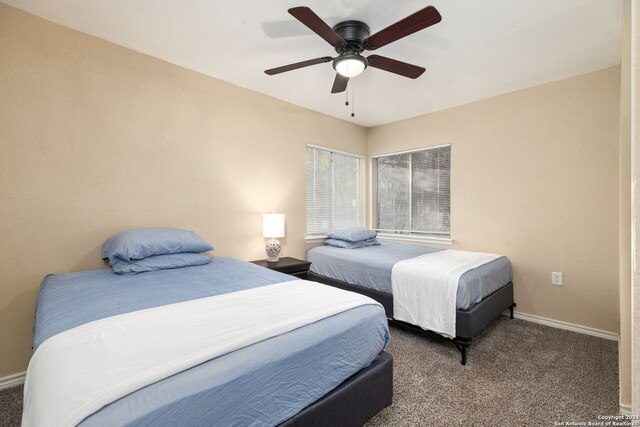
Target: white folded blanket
77 372
425 288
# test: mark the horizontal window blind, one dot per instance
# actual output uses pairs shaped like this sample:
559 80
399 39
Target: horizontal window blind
394 195
333 191
413 192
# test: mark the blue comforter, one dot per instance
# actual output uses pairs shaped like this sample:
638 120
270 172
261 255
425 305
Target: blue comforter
263 384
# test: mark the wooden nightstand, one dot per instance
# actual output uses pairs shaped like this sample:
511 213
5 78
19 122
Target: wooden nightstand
288 265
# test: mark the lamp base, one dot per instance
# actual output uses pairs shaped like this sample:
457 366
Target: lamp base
273 250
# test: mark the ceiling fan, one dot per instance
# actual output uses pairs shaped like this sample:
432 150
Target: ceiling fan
351 38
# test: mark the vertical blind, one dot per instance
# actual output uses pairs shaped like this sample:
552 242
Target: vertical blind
333 191
413 192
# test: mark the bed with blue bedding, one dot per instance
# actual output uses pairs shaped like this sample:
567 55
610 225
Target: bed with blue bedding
289 379
483 293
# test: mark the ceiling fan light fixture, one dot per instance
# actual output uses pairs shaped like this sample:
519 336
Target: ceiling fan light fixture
350 65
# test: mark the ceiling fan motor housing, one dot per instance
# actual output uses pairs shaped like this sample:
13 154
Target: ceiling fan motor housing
353 33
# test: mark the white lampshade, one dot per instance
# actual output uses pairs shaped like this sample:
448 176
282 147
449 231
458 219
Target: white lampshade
273 225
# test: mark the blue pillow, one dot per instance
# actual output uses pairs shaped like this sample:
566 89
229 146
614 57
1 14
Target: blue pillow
344 244
353 234
140 243
351 245
159 262
371 242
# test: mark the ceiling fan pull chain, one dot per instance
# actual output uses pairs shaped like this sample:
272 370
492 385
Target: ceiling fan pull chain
346 93
353 100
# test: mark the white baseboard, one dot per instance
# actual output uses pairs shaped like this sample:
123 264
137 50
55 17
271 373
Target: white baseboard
567 326
12 380
625 409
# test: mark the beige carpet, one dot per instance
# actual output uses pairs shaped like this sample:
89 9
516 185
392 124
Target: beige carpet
10 406
518 374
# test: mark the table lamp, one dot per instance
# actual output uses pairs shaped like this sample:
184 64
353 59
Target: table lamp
272 228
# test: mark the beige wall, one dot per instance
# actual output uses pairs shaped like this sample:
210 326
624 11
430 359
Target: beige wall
624 346
535 177
635 120
95 138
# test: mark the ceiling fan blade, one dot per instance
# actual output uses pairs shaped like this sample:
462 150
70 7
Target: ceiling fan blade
340 83
394 66
317 25
297 65
418 21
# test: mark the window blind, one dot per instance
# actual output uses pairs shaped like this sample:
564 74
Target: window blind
333 191
394 196
413 192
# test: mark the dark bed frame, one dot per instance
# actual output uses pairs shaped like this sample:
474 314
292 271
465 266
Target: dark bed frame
354 402
469 322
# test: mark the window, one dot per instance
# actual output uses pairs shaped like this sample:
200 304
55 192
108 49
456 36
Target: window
334 190
412 194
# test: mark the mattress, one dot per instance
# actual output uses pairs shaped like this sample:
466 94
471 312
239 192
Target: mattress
371 266
262 384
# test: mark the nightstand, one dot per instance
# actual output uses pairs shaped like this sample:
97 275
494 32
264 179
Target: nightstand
288 265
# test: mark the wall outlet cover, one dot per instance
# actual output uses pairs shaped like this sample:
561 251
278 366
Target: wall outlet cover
556 278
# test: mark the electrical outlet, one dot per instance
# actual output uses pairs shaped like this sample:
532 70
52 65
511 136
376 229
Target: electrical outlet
556 278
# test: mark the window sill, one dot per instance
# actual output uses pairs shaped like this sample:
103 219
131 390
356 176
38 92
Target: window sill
415 238
315 239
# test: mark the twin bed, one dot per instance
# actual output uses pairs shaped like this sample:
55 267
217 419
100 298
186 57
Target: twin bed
331 371
483 293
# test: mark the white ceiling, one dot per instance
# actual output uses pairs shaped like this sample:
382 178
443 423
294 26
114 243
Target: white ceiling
481 48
